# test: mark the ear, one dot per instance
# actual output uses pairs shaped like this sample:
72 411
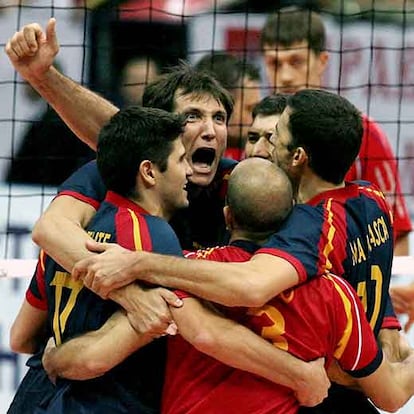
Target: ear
300 157
146 173
323 62
228 217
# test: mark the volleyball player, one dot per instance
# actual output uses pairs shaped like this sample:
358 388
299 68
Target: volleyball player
266 114
144 192
242 79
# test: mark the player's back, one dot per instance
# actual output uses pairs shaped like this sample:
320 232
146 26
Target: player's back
347 231
319 318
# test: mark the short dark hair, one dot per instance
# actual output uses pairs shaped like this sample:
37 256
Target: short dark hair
330 130
228 69
162 93
293 25
271 105
259 196
131 136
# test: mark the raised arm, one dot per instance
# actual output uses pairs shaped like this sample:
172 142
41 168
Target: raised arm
251 283
32 51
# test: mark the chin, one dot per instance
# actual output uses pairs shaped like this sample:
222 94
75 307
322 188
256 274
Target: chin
203 180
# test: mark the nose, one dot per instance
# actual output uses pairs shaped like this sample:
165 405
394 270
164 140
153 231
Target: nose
262 149
188 169
284 75
209 131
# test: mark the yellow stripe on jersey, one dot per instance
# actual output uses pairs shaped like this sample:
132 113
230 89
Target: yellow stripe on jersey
341 287
136 230
42 259
343 342
331 233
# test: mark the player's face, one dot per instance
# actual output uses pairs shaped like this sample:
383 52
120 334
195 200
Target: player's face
245 99
281 140
293 68
205 134
258 137
173 181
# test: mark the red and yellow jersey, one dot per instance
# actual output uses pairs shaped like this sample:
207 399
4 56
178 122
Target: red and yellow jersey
135 384
321 318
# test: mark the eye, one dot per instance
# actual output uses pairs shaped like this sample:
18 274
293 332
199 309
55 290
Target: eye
252 137
221 118
192 116
297 62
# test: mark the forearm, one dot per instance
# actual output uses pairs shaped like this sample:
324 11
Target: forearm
60 233
390 386
93 354
238 347
250 283
28 330
82 110
394 345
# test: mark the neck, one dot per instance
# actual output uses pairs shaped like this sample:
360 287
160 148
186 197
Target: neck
311 185
258 238
151 205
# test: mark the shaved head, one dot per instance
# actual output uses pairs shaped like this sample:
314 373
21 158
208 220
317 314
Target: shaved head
259 196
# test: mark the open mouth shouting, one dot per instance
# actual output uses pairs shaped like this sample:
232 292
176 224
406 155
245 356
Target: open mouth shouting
203 160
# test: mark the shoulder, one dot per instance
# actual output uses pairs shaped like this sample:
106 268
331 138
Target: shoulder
226 166
221 254
85 182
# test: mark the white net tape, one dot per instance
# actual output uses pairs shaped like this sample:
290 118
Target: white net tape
12 268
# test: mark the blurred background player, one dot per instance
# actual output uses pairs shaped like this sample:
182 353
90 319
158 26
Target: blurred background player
136 74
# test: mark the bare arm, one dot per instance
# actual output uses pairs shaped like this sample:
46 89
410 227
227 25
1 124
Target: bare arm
92 354
394 344
28 330
237 346
148 309
59 231
251 283
32 52
391 385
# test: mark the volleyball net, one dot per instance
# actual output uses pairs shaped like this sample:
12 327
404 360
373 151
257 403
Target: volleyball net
371 48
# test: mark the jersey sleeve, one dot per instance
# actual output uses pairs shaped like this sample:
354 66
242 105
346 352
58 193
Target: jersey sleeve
390 320
377 163
36 292
298 242
85 184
